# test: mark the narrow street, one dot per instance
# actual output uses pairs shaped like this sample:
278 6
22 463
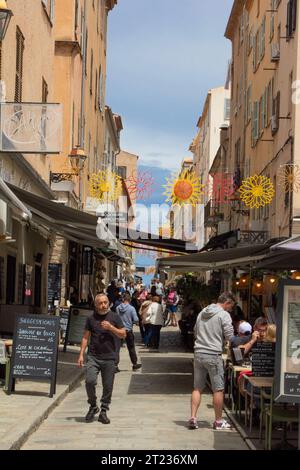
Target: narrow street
149 410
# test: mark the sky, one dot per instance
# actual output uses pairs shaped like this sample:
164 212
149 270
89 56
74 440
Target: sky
162 58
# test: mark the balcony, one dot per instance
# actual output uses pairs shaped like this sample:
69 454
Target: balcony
250 237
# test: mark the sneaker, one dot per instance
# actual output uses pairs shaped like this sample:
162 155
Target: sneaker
103 417
192 424
91 413
136 366
222 425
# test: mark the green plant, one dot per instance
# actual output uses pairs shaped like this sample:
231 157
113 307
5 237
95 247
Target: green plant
190 287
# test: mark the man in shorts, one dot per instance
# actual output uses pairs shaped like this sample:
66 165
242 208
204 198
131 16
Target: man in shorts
213 327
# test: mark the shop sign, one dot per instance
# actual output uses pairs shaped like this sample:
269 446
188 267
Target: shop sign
31 127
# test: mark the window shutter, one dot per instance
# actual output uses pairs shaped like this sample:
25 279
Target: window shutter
266 107
254 52
294 15
19 65
289 20
277 108
249 102
91 72
263 37
96 90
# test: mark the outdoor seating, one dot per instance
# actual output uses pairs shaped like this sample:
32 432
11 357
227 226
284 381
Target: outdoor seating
278 414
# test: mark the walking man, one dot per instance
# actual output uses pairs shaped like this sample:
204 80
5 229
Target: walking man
129 317
104 329
213 326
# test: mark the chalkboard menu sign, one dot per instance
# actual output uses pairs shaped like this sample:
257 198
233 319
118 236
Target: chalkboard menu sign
287 383
76 325
263 359
35 347
54 281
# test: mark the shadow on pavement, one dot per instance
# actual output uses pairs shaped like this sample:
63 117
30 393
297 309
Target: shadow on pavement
167 365
151 384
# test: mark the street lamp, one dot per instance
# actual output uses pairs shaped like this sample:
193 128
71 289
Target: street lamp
77 159
5 16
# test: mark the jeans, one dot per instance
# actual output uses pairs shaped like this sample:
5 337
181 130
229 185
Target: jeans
131 347
107 369
155 338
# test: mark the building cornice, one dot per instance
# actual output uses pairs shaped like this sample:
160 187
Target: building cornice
233 18
110 4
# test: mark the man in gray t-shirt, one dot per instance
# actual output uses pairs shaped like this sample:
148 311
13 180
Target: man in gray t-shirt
213 327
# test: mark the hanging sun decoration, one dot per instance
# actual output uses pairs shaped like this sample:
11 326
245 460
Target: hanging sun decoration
257 191
105 186
184 189
289 177
140 185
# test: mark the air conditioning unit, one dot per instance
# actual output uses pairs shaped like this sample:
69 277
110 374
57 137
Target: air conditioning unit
275 52
274 124
5 220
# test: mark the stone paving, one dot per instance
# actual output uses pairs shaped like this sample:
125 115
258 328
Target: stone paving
23 411
149 409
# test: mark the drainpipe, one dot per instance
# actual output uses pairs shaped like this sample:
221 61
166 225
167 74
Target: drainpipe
291 194
83 79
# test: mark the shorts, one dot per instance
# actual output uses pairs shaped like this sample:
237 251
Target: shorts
211 364
172 308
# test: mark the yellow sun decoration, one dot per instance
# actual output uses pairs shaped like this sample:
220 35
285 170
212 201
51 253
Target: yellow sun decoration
105 186
289 178
184 189
257 191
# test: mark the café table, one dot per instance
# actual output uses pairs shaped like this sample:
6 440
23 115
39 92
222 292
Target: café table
255 382
234 371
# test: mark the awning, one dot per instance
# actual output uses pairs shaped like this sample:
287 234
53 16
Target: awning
206 261
81 227
12 200
70 223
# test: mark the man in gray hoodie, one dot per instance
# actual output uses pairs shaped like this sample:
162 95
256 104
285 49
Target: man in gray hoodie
129 317
213 327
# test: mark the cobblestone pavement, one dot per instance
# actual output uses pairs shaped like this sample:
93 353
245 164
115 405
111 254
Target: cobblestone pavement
149 409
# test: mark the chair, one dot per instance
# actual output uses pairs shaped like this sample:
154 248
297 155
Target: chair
277 414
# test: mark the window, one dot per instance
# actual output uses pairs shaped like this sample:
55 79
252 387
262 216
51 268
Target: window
19 66
122 172
49 8
227 109
291 19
